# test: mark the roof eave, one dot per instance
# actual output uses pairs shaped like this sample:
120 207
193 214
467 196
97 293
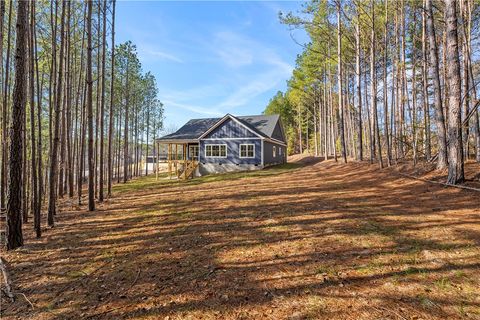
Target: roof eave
273 140
176 141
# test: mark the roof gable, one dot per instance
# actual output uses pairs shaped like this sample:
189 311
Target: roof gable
229 128
232 118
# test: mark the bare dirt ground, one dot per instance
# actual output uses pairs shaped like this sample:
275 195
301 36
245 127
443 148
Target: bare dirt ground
321 241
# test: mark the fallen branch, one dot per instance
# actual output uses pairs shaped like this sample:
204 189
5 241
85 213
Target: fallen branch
6 278
438 182
29 302
133 283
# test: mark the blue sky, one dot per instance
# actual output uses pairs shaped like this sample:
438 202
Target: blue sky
211 58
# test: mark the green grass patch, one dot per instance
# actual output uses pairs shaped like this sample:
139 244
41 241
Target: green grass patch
426 302
414 271
326 270
271 171
443 283
141 183
150 182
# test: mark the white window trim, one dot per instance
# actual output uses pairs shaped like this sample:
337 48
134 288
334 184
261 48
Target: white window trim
240 150
191 148
216 144
274 149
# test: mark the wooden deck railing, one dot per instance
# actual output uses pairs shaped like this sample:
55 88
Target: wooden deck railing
188 169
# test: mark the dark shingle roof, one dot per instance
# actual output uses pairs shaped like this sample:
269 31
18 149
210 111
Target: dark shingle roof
263 125
192 129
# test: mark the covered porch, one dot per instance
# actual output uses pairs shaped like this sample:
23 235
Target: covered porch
181 158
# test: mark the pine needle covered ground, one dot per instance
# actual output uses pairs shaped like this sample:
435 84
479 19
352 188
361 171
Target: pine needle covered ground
319 241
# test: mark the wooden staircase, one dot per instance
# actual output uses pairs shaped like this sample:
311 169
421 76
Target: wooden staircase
188 170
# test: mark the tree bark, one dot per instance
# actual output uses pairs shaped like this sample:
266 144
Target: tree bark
373 79
91 169
14 235
54 151
455 150
358 88
426 108
102 106
385 86
3 130
39 140
434 69
3 176
34 182
340 89
110 116
125 132
414 91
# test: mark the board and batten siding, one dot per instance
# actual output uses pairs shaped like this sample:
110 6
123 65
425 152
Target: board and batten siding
232 134
278 132
231 129
233 151
268 157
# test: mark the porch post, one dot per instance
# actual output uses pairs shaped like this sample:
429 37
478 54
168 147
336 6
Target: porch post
155 156
169 160
185 160
176 159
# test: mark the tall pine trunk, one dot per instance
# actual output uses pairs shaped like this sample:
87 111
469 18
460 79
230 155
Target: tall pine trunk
358 88
426 109
385 86
455 150
34 181
341 120
125 132
435 73
54 152
373 79
3 176
102 105
91 169
110 116
14 236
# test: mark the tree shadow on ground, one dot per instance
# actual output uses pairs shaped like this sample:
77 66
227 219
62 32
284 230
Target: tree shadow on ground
322 241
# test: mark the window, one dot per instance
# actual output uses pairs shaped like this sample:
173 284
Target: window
216 150
150 159
280 151
247 151
274 151
193 152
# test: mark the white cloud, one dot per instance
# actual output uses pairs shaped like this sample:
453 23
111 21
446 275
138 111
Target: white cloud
148 51
246 92
250 68
237 50
233 49
163 55
193 108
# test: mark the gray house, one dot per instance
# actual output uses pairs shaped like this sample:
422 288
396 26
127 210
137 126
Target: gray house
214 145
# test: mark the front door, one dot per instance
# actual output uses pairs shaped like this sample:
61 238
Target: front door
193 152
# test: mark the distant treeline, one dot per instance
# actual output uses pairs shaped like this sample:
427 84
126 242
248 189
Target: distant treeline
386 80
